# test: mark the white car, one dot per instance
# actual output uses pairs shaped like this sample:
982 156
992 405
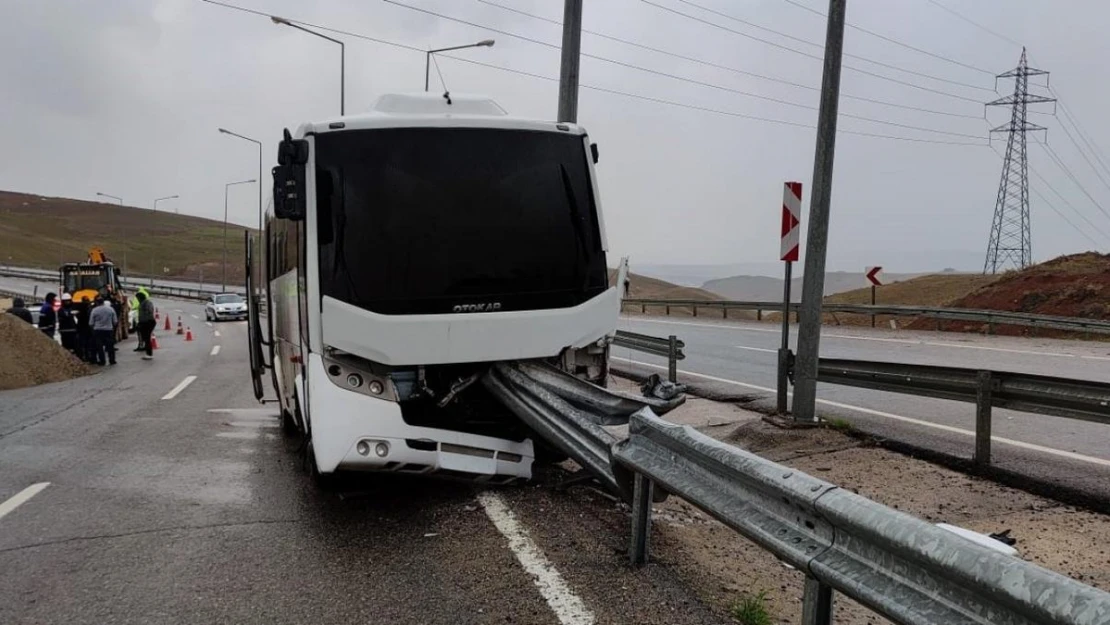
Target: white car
225 306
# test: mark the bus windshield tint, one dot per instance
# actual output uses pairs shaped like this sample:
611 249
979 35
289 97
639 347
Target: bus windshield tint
440 220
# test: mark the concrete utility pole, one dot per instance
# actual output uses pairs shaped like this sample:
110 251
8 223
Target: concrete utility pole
817 237
568 70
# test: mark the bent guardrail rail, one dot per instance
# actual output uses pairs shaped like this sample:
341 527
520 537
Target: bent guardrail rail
901 567
989 318
1041 394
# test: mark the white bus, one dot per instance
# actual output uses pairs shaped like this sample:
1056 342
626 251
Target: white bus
408 248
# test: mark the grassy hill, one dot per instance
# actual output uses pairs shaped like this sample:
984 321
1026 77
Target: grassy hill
37 231
932 290
767 289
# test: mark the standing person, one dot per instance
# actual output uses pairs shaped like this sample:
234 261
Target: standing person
103 320
84 333
146 323
67 324
19 309
48 319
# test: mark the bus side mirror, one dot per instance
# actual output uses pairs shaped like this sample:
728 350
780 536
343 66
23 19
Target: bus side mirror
593 152
289 185
289 198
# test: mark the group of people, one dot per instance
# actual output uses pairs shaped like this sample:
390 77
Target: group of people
89 332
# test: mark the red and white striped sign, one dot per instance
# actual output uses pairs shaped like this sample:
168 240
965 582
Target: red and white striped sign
791 218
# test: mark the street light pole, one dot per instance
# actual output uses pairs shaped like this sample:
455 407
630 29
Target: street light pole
485 43
342 57
227 187
259 144
168 197
118 199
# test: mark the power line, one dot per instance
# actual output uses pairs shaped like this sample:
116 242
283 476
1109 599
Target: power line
728 68
812 43
1079 148
974 23
680 78
635 96
1056 210
894 41
813 56
1059 163
1094 149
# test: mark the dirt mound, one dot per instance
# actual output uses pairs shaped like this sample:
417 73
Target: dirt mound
29 358
1070 286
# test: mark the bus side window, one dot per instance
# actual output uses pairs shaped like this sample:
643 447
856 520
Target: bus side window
325 195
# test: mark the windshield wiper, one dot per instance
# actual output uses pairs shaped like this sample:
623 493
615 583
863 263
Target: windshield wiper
581 272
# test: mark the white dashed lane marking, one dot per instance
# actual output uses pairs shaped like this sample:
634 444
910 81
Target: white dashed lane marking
180 387
21 498
215 350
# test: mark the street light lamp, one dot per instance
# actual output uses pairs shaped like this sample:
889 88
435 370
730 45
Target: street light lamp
485 43
118 199
168 197
259 144
227 187
281 21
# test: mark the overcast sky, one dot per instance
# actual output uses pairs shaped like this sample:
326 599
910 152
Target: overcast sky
125 96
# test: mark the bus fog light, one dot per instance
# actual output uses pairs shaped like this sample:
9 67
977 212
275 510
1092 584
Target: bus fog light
381 449
363 448
354 380
376 387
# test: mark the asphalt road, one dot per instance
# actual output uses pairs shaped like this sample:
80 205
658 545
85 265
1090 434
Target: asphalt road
740 358
126 497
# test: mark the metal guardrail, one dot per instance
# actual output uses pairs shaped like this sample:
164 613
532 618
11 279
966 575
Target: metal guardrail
1060 397
670 347
901 567
201 291
990 318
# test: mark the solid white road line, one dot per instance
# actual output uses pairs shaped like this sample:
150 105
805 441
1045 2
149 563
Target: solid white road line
215 350
757 349
180 387
878 413
21 498
568 608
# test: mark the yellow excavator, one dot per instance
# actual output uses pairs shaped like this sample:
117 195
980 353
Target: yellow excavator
99 276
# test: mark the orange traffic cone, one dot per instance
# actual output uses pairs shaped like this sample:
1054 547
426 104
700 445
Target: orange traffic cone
188 334
157 317
180 328
153 342
167 328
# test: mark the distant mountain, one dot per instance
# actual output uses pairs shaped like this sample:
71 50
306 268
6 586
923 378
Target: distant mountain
762 288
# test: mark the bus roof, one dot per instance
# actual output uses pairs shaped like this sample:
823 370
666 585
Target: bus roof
433 110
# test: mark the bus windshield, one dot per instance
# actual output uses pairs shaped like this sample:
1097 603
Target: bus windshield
441 220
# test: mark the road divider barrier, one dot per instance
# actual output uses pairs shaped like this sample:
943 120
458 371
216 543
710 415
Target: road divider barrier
905 569
989 318
1040 394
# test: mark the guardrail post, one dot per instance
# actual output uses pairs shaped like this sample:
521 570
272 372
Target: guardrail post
724 312
643 309
983 419
695 310
817 603
638 551
672 358
668 310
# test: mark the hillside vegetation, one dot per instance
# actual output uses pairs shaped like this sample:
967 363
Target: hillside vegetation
1077 285
643 287
37 231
